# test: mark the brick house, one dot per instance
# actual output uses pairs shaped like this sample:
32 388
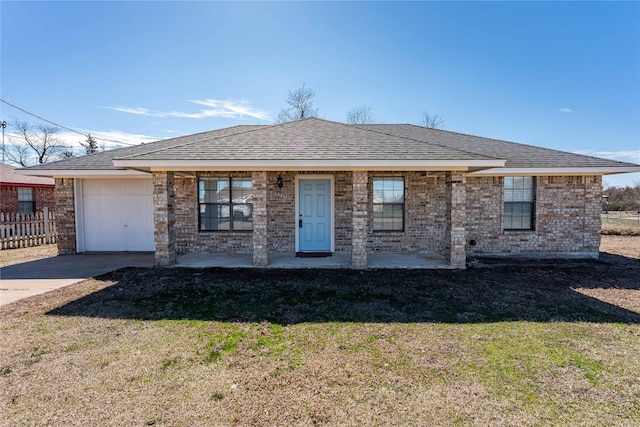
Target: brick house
24 194
315 186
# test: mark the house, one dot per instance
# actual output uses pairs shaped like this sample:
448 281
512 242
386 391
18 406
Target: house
323 187
24 194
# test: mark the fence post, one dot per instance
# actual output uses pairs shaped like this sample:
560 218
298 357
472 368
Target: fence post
45 215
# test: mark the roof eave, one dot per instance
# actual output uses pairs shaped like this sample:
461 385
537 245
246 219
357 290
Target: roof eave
315 165
566 171
84 173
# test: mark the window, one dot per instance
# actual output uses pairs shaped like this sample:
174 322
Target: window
388 204
25 200
225 204
519 199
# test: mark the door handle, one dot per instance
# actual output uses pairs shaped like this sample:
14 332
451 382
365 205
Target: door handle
300 222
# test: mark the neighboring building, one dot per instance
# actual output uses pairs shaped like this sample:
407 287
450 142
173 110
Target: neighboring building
319 186
24 194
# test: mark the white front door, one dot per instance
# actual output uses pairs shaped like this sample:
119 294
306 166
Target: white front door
314 215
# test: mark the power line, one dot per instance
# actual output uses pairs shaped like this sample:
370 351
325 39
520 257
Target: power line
60 126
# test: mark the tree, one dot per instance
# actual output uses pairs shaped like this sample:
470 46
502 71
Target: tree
67 153
300 107
432 121
33 144
360 116
91 145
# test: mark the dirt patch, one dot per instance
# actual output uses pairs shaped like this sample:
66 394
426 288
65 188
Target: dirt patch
20 255
626 246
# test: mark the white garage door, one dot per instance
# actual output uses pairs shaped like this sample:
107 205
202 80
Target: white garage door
118 214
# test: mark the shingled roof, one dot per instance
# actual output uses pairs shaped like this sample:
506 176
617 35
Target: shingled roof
8 177
313 142
517 155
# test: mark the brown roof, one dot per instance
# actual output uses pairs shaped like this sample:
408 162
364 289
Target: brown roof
322 140
308 139
8 177
517 155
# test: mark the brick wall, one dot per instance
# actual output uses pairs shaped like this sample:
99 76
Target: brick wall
65 216
188 238
424 224
43 197
164 217
567 216
282 217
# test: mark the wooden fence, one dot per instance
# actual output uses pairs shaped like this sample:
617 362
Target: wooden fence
22 231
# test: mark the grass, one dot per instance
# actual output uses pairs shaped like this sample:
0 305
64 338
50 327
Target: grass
526 346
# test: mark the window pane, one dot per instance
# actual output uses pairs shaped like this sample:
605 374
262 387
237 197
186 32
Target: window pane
25 208
518 216
218 212
25 194
242 190
518 189
388 207
213 190
214 217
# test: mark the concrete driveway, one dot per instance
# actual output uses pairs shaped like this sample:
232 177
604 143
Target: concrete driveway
36 277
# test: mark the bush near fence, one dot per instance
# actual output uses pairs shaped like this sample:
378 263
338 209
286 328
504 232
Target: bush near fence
22 231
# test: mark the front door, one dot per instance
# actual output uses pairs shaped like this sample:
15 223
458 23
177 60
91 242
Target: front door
314 215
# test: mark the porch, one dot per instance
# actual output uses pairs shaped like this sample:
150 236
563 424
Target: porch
429 261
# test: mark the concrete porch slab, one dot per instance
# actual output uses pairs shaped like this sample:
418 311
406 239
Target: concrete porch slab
338 260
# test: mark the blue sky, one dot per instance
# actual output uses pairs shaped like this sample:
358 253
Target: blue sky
563 75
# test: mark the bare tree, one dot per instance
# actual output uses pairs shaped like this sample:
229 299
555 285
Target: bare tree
300 107
34 144
432 121
18 154
91 145
360 116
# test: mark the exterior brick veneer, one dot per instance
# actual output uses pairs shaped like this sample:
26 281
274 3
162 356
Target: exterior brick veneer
260 248
360 215
424 216
164 218
65 216
42 197
567 216
455 238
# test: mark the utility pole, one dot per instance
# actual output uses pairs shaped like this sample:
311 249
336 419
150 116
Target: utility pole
3 125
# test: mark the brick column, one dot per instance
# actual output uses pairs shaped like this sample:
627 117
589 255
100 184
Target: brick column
592 214
164 218
260 244
360 218
65 215
455 233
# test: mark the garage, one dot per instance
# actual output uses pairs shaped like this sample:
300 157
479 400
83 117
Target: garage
115 215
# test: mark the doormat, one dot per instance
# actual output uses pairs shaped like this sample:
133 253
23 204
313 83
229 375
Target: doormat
312 254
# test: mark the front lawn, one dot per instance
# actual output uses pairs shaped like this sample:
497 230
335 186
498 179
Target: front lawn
523 345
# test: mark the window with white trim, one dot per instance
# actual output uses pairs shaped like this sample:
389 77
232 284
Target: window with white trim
26 200
388 203
519 203
225 204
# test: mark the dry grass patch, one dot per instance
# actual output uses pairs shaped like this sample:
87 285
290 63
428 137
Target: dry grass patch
177 347
20 255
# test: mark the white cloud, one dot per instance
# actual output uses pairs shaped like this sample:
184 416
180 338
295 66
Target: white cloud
230 109
565 110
